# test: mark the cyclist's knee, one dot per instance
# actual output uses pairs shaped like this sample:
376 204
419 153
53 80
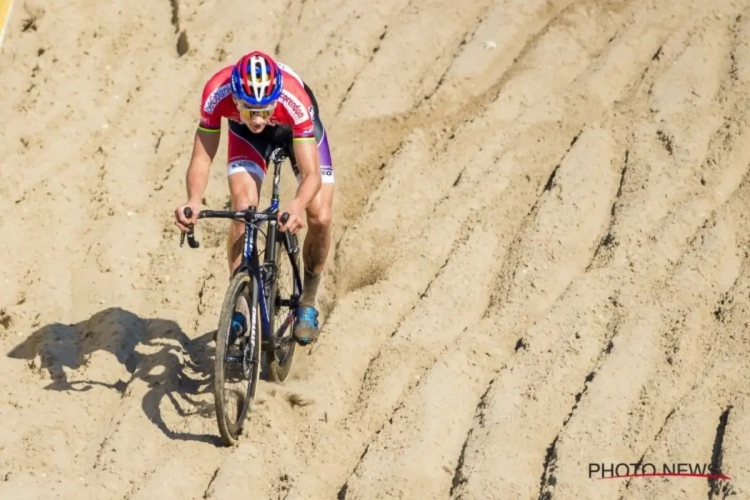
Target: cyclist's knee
244 189
243 202
244 197
320 218
319 212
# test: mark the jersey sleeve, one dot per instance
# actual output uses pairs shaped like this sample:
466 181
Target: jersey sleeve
304 131
214 92
299 109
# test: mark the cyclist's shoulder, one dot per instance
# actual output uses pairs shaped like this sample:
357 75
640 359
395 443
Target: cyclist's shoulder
219 79
294 98
216 89
289 75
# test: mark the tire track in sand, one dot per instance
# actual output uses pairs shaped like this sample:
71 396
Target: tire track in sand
684 338
532 193
484 482
469 124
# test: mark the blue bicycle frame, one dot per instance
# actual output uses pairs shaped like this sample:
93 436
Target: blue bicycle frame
264 274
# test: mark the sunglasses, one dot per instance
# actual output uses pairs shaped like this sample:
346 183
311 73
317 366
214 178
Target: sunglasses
248 112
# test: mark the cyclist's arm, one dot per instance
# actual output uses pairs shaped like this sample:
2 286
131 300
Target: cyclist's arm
308 161
204 150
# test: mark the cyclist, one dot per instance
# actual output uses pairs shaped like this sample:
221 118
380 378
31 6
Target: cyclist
266 104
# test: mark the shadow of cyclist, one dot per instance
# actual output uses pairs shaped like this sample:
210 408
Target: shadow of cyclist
155 351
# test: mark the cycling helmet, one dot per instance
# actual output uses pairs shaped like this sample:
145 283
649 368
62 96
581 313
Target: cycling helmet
256 79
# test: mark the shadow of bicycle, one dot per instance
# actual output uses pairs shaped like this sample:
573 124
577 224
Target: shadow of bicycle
155 351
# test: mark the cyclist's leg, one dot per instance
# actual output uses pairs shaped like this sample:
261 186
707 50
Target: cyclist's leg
317 241
319 234
246 168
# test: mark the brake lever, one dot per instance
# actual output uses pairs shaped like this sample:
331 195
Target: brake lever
190 234
291 240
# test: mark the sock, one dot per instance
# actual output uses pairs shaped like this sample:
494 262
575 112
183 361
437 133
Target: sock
311 282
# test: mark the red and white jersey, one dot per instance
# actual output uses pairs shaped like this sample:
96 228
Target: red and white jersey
294 108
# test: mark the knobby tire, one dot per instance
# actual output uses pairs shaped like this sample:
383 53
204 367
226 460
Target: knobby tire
230 426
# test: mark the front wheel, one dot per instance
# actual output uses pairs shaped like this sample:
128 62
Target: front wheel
237 359
282 309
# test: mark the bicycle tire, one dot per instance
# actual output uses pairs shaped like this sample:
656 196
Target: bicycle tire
229 429
279 368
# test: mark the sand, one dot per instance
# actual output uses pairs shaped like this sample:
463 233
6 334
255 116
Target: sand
540 257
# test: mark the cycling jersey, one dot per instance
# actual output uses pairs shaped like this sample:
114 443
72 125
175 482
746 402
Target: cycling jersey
247 151
294 108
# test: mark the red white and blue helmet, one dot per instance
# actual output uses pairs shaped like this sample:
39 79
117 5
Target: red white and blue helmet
256 79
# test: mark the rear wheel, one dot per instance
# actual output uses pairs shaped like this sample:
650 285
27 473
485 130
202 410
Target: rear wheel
237 359
282 311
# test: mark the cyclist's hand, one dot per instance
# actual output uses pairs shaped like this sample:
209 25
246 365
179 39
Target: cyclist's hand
183 222
294 223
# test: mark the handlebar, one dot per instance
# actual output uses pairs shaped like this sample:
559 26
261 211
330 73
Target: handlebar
250 215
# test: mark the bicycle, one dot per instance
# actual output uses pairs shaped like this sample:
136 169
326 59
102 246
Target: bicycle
258 284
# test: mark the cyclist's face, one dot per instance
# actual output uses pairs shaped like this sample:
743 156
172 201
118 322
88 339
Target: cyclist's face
256 119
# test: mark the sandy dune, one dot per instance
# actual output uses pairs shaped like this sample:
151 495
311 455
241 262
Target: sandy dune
541 230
